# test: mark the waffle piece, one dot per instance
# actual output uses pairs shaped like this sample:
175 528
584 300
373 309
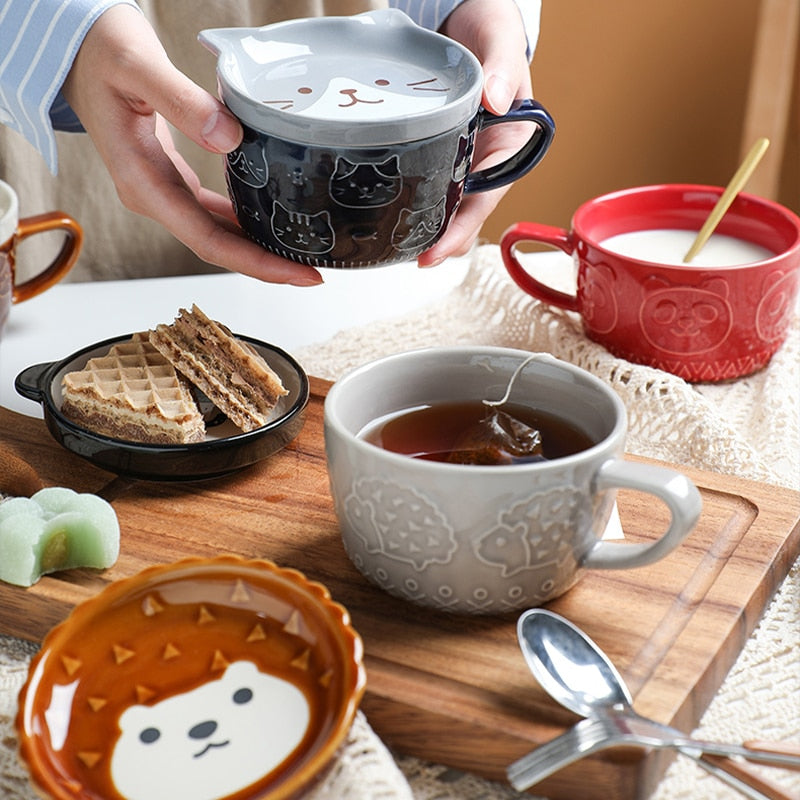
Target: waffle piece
232 374
133 393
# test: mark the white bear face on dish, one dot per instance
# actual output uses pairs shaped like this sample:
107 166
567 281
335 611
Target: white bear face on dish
211 741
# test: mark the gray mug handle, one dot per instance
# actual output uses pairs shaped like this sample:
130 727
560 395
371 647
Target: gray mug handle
677 491
524 160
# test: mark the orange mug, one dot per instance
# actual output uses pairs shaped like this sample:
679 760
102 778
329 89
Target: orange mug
12 231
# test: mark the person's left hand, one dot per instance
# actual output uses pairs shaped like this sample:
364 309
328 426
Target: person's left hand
493 31
124 89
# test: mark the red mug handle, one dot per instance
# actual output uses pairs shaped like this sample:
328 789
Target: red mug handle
61 264
546 234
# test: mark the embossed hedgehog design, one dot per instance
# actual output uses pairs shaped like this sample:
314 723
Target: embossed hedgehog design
400 523
535 533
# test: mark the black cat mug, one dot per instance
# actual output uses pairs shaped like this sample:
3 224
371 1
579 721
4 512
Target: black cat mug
359 134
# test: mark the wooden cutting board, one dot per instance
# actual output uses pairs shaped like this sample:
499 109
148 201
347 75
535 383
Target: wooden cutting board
450 689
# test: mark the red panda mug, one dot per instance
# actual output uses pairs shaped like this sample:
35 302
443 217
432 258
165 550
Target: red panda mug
720 317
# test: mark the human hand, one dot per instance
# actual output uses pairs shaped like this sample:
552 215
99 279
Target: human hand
493 31
123 88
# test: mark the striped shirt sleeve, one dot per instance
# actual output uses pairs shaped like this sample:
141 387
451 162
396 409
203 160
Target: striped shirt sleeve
432 13
40 38
38 43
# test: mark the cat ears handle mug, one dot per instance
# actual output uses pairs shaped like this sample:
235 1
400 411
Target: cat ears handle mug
14 230
358 135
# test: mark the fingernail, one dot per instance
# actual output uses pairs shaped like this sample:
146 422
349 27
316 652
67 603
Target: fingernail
222 132
307 280
499 94
427 263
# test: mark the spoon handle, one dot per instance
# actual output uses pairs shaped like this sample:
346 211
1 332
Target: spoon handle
642 730
766 753
786 748
731 190
734 774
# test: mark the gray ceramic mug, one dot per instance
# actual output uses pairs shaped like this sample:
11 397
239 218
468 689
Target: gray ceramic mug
487 539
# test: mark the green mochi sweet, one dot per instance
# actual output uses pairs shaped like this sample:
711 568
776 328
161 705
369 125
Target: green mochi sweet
55 529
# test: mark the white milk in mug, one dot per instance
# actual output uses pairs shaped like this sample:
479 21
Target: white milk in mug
670 245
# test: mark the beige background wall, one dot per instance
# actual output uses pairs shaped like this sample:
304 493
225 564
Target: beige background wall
641 92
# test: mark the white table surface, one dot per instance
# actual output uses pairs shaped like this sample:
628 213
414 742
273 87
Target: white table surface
70 316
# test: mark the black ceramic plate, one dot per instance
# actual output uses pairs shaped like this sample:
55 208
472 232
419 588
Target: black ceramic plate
225 450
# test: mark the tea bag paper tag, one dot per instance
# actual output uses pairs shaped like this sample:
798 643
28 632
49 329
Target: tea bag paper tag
614 527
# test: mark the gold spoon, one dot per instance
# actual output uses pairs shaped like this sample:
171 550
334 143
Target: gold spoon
733 188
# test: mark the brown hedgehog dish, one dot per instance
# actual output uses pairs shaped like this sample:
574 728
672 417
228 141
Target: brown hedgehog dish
209 679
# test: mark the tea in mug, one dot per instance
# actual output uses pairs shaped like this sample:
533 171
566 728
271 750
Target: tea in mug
476 433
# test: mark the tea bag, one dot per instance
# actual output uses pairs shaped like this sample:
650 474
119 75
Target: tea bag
499 438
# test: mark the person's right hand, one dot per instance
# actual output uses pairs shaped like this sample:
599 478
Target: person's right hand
123 87
493 31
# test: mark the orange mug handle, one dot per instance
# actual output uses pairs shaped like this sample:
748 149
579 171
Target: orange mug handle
63 262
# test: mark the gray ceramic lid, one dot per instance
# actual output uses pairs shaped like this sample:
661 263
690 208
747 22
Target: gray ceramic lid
369 79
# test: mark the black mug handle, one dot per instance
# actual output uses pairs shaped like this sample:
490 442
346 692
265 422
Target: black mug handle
522 161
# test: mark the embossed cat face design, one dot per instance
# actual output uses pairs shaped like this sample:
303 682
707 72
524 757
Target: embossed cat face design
686 320
417 229
248 164
376 91
304 233
211 741
366 185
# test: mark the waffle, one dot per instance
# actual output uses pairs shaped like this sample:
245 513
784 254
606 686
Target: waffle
230 373
133 393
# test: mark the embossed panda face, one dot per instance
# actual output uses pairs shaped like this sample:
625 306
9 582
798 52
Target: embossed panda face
377 90
211 741
686 320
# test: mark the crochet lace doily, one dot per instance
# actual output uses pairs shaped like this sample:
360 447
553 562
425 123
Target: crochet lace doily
749 428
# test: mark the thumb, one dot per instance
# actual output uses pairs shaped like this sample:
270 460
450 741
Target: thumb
505 69
192 110
498 93
497 37
123 57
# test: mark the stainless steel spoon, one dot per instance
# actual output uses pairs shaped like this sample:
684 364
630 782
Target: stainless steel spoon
576 673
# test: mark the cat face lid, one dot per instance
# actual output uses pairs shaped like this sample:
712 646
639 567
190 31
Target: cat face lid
369 79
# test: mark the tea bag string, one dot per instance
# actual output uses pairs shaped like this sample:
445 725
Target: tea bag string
514 376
